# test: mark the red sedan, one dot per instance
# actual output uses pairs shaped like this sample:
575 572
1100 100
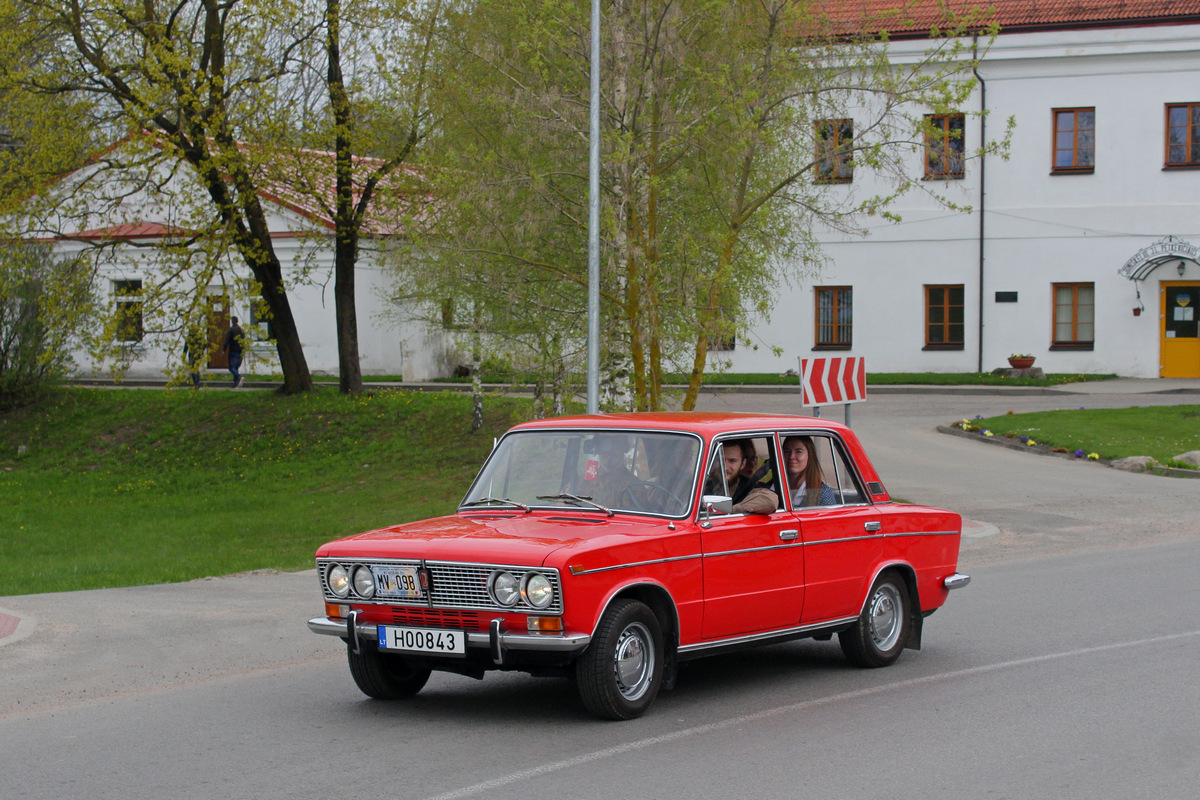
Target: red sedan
610 548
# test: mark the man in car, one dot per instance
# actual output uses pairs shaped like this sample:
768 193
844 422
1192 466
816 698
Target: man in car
748 498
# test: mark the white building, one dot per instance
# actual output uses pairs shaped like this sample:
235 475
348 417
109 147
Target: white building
121 225
1083 246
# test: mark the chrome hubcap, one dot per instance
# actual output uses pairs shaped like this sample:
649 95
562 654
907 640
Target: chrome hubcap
884 617
633 661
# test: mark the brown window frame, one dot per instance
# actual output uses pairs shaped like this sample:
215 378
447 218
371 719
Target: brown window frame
842 331
947 323
1191 145
129 309
832 155
944 142
1075 167
1075 341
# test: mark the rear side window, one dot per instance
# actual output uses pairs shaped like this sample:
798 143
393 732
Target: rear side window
818 472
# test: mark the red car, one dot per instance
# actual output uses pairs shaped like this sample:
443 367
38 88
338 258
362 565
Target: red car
610 548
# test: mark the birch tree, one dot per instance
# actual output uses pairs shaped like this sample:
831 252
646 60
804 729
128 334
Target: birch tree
714 184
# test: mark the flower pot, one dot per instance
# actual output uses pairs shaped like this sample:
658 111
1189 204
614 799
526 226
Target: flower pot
1020 363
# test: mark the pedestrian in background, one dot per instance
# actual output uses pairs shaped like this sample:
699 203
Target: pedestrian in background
233 346
195 351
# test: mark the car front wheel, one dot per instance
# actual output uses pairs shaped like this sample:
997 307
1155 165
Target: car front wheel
879 635
385 676
620 673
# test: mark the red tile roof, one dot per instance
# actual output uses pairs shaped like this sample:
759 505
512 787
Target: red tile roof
916 17
292 186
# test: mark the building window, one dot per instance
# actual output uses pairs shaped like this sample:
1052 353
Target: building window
1074 315
1183 135
130 327
261 328
944 317
944 138
835 141
834 317
1074 140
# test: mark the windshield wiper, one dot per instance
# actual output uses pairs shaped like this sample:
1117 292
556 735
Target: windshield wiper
504 500
577 499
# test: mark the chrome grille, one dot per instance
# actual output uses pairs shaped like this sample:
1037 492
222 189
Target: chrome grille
455 585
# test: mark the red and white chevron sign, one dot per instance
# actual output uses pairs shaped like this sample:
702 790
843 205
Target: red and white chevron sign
826 381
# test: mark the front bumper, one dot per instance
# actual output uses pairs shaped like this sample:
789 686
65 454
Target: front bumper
496 641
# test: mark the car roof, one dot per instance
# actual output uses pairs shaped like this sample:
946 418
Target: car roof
706 423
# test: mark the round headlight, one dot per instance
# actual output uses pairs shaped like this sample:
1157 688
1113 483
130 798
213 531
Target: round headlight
338 580
537 590
364 582
504 588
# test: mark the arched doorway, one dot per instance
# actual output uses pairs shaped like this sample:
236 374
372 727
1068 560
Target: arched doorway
1176 265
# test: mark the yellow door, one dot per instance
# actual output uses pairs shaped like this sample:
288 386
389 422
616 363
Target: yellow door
1180 329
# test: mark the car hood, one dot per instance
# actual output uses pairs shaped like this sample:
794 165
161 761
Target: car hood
516 538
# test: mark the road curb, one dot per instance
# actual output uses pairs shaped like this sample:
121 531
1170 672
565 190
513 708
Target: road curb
14 627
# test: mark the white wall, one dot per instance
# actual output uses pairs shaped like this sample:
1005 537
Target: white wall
1040 228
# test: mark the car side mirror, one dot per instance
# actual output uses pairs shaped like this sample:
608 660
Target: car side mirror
714 504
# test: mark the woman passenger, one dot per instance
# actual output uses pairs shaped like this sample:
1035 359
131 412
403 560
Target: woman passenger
805 483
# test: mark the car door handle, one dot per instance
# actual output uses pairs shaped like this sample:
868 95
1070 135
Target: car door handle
872 527
789 535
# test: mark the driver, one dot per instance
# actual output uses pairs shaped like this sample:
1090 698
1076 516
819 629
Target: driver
605 480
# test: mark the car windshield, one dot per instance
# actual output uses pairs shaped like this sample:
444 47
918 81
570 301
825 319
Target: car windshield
593 470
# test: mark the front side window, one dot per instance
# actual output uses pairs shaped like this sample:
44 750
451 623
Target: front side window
834 317
744 470
1074 314
130 326
835 140
1074 139
944 140
1183 135
590 471
944 317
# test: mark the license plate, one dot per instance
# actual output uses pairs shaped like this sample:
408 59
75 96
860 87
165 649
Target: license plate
397 581
423 640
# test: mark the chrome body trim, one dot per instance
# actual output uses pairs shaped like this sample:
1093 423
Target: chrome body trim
956 581
507 640
632 564
763 637
575 571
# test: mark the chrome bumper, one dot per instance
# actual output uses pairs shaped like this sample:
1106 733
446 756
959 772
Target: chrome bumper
496 641
956 581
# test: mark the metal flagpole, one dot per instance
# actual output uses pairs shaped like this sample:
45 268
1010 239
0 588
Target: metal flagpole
593 322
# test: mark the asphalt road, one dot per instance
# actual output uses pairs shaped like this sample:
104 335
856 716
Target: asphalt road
1066 669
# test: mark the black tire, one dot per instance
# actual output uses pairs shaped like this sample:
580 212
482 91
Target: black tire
883 627
385 676
620 673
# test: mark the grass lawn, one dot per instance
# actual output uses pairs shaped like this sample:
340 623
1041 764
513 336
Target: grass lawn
120 487
126 487
1160 432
